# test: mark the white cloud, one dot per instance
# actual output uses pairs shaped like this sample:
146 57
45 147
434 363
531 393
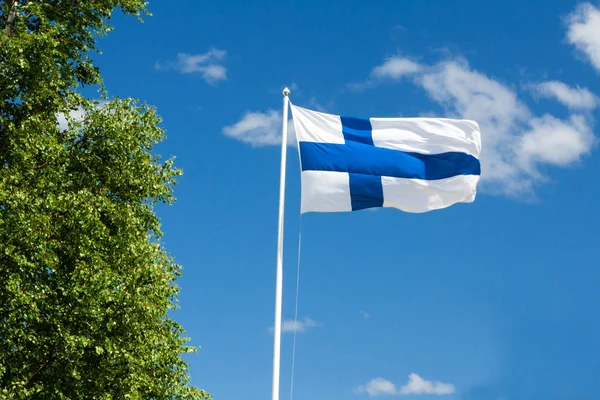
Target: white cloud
208 65
392 68
299 326
77 115
378 387
395 68
583 31
554 141
416 385
365 314
260 129
289 325
574 98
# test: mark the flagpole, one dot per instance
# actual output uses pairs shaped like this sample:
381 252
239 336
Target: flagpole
279 277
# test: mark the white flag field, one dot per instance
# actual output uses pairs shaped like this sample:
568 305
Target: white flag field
412 164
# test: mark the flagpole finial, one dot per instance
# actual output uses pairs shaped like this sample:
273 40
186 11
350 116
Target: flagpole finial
286 92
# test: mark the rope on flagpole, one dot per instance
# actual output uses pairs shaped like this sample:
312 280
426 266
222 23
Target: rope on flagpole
296 311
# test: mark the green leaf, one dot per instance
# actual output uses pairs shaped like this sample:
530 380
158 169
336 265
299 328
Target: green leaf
85 283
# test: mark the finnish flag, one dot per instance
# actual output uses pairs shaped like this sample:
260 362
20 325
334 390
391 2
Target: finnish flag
412 164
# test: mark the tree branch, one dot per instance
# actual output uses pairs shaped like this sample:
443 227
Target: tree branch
12 14
50 359
40 368
42 166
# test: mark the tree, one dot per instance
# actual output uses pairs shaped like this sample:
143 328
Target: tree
85 283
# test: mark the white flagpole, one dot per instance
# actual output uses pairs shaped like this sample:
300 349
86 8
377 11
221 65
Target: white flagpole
279 278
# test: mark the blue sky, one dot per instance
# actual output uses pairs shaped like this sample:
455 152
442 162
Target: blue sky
485 301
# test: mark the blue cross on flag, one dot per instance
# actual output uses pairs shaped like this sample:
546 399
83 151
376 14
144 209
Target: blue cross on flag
412 164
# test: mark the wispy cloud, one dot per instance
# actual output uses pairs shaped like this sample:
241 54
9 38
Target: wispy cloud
572 97
298 326
551 140
378 387
76 115
396 68
364 314
208 65
416 386
289 325
260 129
583 31
393 68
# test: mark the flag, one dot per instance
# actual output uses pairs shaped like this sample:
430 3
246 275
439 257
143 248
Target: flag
412 164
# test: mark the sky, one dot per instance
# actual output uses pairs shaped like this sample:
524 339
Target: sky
491 300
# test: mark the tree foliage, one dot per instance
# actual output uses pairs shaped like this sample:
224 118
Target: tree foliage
85 284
